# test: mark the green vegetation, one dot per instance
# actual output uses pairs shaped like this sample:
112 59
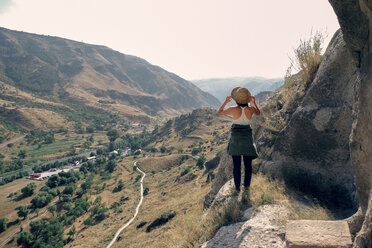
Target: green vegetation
185 171
23 211
201 161
3 224
40 136
29 190
43 234
113 134
308 56
138 177
36 151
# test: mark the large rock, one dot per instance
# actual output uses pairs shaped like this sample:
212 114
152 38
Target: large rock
313 149
317 234
223 174
355 18
265 228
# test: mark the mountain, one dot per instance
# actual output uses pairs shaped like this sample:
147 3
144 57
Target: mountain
221 87
90 80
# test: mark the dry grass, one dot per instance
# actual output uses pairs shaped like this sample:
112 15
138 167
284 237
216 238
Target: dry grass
308 56
159 163
186 199
102 232
262 191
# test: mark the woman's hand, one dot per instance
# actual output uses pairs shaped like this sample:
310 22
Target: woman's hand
228 99
256 109
222 110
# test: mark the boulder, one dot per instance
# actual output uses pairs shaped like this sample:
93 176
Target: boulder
265 228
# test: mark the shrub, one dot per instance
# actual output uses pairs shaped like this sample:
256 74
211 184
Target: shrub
88 222
185 171
138 178
196 151
308 56
201 161
3 224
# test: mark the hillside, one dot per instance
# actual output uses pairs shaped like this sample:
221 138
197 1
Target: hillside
82 82
221 87
176 183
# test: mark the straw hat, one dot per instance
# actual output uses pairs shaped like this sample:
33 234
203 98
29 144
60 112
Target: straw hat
241 95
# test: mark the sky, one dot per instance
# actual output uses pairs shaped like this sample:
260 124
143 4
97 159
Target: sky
195 39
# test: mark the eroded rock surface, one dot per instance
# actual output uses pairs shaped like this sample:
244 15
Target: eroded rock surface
355 18
265 228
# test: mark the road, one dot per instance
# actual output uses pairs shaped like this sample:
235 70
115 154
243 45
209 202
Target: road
15 139
135 215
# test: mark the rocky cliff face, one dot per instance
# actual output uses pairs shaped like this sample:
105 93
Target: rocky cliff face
313 149
355 18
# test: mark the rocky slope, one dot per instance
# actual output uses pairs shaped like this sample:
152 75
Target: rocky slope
94 78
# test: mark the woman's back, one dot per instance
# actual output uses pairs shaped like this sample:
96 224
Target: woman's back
243 119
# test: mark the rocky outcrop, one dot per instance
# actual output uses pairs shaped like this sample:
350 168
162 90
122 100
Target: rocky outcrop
355 18
263 229
223 174
313 149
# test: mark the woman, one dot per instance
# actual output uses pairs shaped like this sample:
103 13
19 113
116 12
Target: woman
241 141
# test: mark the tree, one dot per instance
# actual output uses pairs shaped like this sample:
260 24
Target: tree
28 190
201 161
163 149
25 239
113 134
69 190
23 211
3 224
111 165
52 209
22 154
53 181
41 200
89 129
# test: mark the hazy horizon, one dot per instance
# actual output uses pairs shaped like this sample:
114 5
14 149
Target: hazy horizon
193 39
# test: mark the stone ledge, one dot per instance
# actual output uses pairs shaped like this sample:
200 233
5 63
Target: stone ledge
317 234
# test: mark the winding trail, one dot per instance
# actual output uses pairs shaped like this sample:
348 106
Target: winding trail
135 215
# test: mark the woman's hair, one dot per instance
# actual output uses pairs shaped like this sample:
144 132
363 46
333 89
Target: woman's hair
242 105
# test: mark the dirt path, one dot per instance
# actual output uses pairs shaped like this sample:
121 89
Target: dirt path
137 209
11 141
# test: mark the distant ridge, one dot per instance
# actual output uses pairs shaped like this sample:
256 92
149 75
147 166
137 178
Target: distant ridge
221 87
